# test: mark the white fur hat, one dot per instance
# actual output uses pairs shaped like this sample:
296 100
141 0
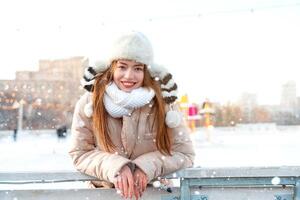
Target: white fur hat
135 46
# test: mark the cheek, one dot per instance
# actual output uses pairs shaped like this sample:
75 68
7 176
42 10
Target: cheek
116 76
141 79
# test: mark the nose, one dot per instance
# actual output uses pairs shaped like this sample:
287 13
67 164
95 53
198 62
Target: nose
129 73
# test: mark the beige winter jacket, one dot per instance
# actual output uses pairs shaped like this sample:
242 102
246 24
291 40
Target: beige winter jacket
135 143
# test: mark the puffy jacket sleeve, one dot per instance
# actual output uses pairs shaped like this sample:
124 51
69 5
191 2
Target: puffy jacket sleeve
155 164
86 156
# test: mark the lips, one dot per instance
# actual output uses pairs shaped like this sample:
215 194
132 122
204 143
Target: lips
128 84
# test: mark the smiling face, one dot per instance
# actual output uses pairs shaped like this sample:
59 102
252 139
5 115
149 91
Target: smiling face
128 75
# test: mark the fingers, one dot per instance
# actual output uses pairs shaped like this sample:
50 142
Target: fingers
125 187
142 180
138 187
130 185
144 184
140 183
124 182
119 185
137 193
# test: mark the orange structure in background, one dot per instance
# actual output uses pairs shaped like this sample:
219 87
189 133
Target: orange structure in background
207 111
192 116
190 112
184 102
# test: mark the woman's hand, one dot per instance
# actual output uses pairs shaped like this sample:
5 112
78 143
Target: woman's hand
124 182
140 182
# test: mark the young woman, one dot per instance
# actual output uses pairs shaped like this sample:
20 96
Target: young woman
126 129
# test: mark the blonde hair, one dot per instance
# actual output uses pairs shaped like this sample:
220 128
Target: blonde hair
101 131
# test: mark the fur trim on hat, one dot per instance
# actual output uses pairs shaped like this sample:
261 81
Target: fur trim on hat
158 71
173 119
101 65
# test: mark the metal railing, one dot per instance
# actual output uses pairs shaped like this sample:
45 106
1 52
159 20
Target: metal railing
279 183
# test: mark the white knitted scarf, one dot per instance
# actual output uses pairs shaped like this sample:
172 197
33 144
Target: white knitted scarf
119 103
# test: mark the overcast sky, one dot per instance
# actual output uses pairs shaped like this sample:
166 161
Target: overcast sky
216 49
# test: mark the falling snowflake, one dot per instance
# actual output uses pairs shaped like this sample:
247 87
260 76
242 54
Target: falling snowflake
275 180
156 184
197 192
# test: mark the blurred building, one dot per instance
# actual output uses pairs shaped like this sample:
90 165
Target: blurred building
247 102
288 112
49 93
288 102
298 107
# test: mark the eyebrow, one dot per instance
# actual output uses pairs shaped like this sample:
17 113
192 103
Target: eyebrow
139 64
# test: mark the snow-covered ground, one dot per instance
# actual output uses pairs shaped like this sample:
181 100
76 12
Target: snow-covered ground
34 151
43 151
248 147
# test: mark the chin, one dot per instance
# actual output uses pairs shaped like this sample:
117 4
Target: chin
130 89
127 90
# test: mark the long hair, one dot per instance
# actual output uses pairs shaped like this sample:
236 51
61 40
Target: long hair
100 122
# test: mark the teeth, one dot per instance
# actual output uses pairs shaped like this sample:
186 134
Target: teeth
128 84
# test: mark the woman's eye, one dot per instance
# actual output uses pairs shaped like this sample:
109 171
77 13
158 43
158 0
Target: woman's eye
139 69
122 67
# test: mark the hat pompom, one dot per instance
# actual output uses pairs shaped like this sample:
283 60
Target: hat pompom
88 109
173 119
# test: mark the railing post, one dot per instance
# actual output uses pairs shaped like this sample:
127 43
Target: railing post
185 193
297 190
